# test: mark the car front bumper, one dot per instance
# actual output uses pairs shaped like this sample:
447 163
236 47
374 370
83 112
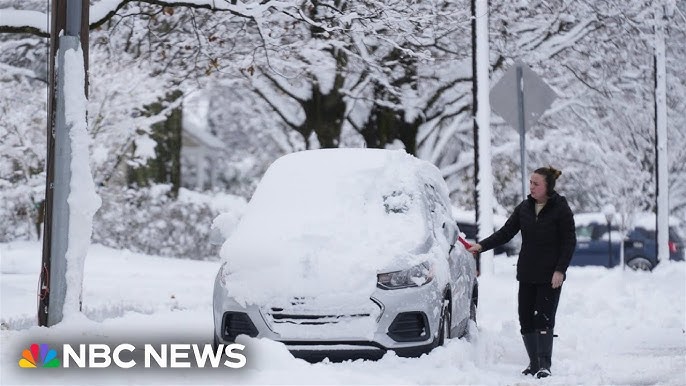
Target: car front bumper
403 320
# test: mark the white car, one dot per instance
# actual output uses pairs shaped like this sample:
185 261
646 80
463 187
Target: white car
347 253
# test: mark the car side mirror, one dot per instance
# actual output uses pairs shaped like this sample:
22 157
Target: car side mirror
222 227
216 236
450 234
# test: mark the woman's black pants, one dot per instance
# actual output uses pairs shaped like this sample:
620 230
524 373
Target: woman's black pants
537 306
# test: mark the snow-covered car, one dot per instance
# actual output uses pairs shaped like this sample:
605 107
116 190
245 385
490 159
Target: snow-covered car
346 253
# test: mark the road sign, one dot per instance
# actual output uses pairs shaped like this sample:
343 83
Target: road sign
520 97
538 96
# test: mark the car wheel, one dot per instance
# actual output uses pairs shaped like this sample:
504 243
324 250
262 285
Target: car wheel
444 326
474 303
640 264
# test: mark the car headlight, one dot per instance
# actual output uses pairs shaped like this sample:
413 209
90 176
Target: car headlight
416 276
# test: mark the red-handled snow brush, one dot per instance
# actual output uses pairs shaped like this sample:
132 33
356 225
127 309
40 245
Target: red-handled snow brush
464 242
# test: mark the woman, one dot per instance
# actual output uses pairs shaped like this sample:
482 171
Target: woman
548 241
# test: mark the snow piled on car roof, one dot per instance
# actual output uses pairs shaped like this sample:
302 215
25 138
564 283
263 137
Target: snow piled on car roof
325 222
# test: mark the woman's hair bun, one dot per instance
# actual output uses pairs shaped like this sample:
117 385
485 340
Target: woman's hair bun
555 173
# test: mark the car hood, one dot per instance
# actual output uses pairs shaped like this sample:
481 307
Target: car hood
316 266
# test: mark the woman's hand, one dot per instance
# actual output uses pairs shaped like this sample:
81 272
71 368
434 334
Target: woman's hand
558 278
474 249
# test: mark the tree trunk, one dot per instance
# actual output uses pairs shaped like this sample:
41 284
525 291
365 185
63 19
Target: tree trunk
165 168
386 125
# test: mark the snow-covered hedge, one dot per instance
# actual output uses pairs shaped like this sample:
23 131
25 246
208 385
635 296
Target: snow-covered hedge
146 220
142 220
18 213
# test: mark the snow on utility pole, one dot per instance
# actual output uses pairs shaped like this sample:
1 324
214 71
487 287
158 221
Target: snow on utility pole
661 134
69 199
483 174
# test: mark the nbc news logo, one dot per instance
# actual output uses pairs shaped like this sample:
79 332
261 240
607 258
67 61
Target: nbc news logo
39 356
98 355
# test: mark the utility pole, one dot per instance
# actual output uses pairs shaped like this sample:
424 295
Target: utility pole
483 174
68 30
662 191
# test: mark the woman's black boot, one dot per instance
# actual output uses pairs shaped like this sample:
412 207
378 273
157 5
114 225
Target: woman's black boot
545 352
530 343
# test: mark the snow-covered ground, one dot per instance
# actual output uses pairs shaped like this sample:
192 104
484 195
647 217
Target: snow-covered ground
615 327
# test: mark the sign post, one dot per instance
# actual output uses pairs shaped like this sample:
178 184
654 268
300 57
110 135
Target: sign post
521 127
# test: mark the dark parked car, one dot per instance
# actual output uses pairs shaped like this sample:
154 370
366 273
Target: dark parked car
640 245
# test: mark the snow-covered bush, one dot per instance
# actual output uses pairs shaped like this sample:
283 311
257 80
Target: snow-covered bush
18 213
147 220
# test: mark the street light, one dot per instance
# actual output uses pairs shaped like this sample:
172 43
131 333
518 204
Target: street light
609 212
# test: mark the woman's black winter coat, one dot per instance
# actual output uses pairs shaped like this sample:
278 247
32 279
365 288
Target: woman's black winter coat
548 240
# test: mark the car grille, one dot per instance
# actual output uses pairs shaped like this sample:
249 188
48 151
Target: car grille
279 316
303 318
301 310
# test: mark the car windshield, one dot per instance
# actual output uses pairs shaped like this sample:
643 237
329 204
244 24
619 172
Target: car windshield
335 198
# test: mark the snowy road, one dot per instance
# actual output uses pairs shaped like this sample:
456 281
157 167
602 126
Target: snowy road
615 327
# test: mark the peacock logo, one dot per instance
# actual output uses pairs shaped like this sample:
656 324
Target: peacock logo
39 356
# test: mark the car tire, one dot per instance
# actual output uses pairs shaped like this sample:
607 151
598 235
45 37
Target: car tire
640 264
474 303
444 326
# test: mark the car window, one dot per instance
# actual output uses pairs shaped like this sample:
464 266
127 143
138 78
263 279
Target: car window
675 236
642 233
436 207
650 234
599 230
584 232
469 230
435 202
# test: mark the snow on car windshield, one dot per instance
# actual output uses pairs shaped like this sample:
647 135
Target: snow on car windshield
329 220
